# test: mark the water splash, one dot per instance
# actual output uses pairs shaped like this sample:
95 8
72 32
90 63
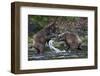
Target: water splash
53 48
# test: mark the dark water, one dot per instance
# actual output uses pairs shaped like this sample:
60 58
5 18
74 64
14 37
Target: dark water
51 54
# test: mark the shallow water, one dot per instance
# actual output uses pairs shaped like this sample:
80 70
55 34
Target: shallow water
51 54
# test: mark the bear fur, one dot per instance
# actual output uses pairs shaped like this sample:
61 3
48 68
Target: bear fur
72 40
43 36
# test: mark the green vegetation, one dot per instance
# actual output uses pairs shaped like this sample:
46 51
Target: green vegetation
73 24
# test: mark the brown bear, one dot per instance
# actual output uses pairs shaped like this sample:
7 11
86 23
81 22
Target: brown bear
43 36
72 40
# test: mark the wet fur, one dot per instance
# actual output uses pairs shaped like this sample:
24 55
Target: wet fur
72 40
43 36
